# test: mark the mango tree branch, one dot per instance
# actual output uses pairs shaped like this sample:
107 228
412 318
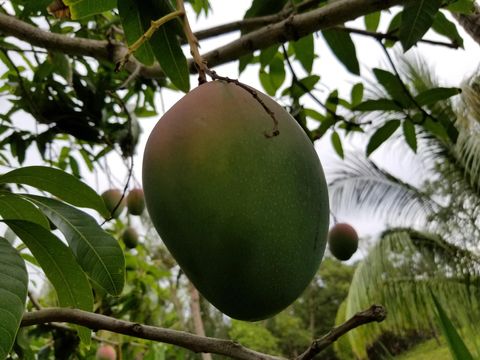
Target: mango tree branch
183 339
190 341
291 28
374 313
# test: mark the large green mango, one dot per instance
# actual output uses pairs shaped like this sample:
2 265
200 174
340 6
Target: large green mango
244 214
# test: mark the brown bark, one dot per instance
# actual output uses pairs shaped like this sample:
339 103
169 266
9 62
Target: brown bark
197 315
471 23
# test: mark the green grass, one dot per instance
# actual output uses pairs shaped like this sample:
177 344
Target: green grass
427 351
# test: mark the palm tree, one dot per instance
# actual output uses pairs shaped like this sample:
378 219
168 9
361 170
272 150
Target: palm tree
433 242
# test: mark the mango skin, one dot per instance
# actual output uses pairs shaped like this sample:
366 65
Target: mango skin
245 216
342 241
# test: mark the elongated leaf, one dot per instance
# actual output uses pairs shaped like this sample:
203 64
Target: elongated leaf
410 135
14 207
343 47
58 183
455 343
337 144
445 27
170 56
356 95
164 45
462 6
267 55
272 80
372 21
417 17
13 295
60 267
381 135
432 96
134 27
264 7
82 8
378 105
305 51
394 86
97 252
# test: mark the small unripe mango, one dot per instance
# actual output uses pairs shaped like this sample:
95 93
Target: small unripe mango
342 241
111 198
106 352
130 238
136 201
244 213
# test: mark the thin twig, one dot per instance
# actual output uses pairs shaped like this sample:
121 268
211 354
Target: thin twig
375 313
388 36
34 301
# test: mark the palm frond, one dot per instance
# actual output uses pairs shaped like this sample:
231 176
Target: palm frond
360 185
399 273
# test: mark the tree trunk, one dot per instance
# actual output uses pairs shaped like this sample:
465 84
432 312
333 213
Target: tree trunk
197 316
471 23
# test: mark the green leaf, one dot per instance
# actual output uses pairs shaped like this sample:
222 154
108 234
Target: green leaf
267 55
82 8
381 135
462 6
417 17
455 343
305 51
164 45
343 47
60 267
272 80
134 27
356 95
170 56
410 135
324 126
14 207
13 295
394 86
378 105
445 27
96 251
393 28
432 96
264 7
308 83
61 65
58 183
372 21
337 144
